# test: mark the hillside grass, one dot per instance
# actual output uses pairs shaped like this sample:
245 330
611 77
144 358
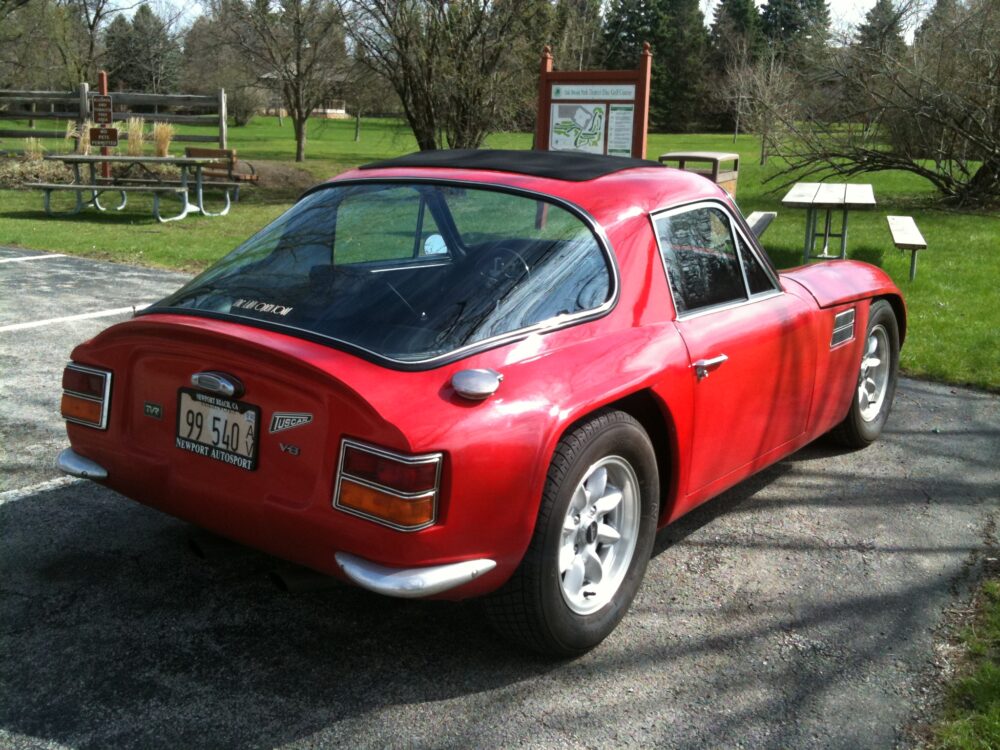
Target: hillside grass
954 315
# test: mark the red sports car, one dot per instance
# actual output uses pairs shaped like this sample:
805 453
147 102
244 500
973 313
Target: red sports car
483 373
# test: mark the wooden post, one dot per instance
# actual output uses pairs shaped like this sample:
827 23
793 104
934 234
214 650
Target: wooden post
102 88
640 131
31 122
544 109
84 110
223 120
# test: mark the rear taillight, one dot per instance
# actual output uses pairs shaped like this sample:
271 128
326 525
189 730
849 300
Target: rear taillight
86 395
390 488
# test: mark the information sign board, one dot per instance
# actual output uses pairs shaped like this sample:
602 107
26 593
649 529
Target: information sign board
101 105
594 111
104 137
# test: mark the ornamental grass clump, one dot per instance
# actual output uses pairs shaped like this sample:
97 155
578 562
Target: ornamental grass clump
81 134
135 129
163 133
33 149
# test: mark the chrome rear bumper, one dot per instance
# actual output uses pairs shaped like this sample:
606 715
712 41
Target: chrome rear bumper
410 583
72 463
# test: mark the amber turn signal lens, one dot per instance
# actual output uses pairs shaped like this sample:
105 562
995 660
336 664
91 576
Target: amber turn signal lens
81 409
405 512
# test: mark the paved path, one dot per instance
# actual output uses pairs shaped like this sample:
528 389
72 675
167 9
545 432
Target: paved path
797 610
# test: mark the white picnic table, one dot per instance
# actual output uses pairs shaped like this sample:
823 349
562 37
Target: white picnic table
829 197
191 180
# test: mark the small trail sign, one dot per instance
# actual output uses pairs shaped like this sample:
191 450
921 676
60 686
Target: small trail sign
595 111
101 106
104 137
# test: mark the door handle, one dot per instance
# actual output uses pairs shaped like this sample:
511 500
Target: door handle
704 366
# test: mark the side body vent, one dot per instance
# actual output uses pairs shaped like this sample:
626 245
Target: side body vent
843 328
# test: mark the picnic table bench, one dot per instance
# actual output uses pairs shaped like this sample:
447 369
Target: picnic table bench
227 173
759 221
906 236
150 183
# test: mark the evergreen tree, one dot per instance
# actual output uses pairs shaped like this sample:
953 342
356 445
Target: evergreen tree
942 15
677 100
816 20
737 33
157 54
119 54
783 22
881 34
142 55
797 29
627 25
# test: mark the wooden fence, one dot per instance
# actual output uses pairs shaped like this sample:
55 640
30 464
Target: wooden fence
77 106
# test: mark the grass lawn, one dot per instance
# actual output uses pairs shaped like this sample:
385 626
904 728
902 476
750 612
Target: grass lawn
954 307
972 714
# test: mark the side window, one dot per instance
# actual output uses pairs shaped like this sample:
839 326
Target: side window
757 277
701 257
384 226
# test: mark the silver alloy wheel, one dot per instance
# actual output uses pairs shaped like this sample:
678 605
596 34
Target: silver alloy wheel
599 535
873 380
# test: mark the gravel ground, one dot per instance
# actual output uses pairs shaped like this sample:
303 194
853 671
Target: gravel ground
797 610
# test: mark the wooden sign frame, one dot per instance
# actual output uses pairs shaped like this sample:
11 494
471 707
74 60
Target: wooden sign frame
606 93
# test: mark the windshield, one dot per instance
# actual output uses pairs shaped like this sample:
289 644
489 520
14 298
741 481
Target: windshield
408 271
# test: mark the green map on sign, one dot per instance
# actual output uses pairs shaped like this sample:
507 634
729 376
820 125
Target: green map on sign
586 129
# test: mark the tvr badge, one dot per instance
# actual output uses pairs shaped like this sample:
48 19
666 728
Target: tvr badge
286 420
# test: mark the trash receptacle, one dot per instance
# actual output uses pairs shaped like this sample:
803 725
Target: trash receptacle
708 164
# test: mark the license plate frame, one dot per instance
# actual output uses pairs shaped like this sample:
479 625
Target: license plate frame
237 421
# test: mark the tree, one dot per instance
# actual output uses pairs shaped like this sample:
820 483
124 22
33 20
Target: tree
627 25
798 29
737 34
457 67
78 34
300 46
142 54
676 32
576 35
934 112
766 95
229 70
677 89
881 34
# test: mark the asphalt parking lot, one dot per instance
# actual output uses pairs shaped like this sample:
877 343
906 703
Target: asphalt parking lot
797 610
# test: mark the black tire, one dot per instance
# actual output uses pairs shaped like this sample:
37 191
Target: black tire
860 429
532 608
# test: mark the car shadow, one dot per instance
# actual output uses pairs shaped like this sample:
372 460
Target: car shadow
116 633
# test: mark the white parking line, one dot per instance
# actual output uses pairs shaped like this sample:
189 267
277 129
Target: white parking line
52 484
32 257
69 318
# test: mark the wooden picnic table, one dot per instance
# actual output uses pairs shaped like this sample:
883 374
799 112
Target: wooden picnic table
191 178
829 197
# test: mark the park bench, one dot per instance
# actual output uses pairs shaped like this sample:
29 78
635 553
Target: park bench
759 221
226 173
95 190
906 236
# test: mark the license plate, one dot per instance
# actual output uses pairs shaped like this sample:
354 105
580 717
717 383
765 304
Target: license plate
218 428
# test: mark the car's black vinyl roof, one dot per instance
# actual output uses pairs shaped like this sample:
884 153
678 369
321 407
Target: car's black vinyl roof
558 165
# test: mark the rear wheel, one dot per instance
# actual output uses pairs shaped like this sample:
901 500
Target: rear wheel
877 377
591 543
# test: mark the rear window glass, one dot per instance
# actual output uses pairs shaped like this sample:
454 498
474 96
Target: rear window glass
409 271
